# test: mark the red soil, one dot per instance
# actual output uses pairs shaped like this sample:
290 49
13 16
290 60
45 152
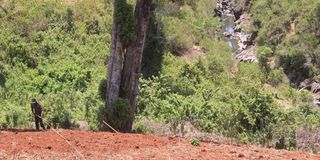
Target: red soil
104 145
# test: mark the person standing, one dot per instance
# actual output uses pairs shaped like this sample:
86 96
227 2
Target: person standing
37 112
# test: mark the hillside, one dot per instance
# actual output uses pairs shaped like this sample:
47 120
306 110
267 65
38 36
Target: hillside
244 69
104 145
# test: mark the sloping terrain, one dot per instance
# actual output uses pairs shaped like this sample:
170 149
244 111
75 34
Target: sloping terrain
105 145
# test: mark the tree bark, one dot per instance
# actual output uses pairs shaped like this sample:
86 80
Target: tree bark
115 62
132 64
123 79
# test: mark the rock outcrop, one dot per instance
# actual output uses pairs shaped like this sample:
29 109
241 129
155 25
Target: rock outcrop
248 55
241 41
313 86
245 50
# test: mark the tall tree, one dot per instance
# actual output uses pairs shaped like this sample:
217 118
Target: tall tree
115 60
123 79
132 65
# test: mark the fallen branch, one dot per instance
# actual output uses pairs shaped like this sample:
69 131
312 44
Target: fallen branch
109 126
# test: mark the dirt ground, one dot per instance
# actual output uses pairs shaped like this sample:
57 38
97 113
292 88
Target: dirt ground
104 145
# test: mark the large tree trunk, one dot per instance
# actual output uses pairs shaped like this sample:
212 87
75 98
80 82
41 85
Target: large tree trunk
125 83
115 62
133 58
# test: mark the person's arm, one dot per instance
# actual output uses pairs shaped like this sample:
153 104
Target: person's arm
41 110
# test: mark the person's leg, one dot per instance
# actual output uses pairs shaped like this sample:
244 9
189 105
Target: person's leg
41 124
37 122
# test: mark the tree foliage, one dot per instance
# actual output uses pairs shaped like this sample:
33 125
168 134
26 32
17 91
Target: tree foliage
292 33
58 53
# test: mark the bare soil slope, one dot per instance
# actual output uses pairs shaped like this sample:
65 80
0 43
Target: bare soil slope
104 145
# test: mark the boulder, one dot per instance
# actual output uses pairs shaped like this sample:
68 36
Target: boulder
248 55
227 34
313 86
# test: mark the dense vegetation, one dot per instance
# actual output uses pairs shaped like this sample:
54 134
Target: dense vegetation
292 33
57 52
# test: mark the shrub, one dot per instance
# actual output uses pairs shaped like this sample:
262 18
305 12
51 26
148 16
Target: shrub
2 119
103 89
179 35
63 120
276 77
119 113
264 53
195 141
92 27
215 67
253 115
66 122
305 97
69 26
191 72
251 73
15 117
57 62
289 142
139 128
293 64
2 80
310 116
290 94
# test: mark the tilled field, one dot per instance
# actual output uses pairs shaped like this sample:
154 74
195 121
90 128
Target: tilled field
105 145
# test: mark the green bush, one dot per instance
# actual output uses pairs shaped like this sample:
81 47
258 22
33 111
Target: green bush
69 25
254 113
309 115
15 117
264 53
191 72
293 64
291 33
103 89
215 67
93 27
276 77
195 141
139 128
290 94
59 117
2 119
178 34
305 97
118 114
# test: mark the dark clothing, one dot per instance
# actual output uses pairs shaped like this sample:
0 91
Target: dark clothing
36 108
38 121
37 111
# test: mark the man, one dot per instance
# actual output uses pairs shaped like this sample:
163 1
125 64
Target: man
37 112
